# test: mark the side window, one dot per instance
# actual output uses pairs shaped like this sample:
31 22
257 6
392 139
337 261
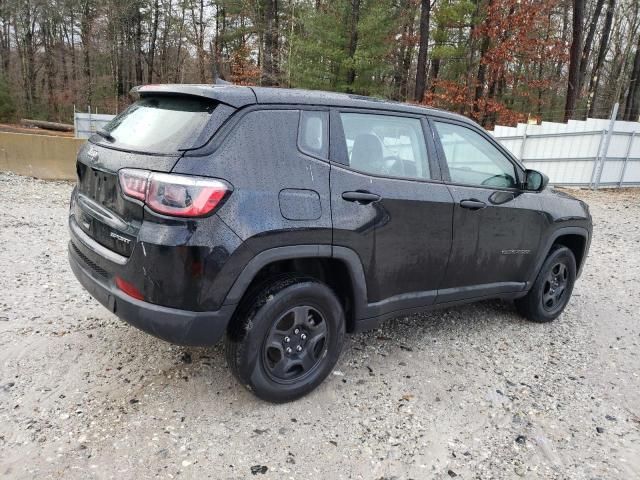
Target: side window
313 133
472 159
386 145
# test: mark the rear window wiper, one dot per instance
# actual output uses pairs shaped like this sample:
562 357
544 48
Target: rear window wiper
106 135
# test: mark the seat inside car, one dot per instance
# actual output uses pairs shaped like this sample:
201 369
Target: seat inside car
404 168
367 153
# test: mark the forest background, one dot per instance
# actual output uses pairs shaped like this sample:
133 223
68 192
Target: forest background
497 61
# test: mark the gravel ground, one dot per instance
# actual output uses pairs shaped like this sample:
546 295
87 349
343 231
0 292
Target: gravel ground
470 392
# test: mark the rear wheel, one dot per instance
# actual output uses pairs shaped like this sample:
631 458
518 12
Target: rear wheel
552 289
288 338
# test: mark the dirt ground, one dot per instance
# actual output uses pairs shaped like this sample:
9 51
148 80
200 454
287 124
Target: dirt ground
470 392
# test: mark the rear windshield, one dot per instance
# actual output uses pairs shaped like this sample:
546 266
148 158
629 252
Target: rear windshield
161 124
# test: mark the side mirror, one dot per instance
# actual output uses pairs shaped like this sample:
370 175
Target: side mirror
535 181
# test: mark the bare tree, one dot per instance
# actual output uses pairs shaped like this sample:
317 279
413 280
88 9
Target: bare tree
152 41
573 86
588 41
352 43
632 106
602 53
421 68
270 47
198 24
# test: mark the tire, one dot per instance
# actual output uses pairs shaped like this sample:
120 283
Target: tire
296 313
552 289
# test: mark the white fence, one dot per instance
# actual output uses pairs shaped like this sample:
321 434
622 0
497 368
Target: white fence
86 123
590 153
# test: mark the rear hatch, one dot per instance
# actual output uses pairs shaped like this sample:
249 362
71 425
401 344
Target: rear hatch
152 134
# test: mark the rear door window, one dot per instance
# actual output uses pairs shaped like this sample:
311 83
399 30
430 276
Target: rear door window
161 124
386 145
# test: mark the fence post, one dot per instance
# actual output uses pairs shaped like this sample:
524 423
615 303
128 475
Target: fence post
626 158
596 159
75 125
524 139
612 124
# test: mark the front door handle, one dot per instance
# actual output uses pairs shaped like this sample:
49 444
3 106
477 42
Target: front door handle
360 197
472 204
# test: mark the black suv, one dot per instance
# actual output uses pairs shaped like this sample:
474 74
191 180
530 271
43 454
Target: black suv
283 219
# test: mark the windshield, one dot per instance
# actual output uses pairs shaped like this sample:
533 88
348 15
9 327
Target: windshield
161 124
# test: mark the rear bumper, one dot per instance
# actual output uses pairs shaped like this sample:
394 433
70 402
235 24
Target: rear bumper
177 326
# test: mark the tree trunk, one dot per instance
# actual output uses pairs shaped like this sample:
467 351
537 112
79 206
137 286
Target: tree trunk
24 31
59 127
353 42
632 105
406 62
481 77
201 62
152 42
63 58
120 63
198 30
574 60
602 53
47 42
138 45
74 68
85 37
5 39
621 67
165 66
270 48
421 69
398 68
433 76
183 13
588 42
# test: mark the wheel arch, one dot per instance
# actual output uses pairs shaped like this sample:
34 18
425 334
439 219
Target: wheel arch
576 243
339 267
576 239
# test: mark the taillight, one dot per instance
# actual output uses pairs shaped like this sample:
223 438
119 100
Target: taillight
134 182
184 196
175 195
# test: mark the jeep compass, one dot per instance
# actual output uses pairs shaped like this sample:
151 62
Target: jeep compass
281 220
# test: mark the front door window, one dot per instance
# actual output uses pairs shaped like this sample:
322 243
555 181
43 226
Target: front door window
472 159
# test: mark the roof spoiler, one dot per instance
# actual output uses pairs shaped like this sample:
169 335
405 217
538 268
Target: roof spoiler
229 94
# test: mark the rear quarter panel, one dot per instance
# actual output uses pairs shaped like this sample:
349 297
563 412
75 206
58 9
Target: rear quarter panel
260 158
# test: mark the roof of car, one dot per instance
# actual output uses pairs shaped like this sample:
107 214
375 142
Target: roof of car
241 96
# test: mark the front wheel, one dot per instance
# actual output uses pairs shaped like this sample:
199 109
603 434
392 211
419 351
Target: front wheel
289 336
552 289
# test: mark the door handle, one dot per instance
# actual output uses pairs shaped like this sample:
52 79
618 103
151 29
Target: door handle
362 198
472 204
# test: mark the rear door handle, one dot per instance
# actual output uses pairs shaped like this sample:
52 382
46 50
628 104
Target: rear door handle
472 204
360 197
